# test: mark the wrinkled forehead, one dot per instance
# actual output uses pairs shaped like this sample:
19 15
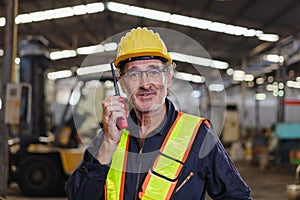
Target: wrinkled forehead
143 64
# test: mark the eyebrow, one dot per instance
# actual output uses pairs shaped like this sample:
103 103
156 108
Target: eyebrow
152 66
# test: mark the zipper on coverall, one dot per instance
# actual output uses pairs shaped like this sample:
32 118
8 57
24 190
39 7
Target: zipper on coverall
139 160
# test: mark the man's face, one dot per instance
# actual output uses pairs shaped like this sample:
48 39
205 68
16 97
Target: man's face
145 83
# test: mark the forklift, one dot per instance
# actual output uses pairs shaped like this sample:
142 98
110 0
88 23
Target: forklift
41 155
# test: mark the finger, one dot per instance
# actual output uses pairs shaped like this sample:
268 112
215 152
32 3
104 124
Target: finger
112 106
112 109
114 116
112 101
117 114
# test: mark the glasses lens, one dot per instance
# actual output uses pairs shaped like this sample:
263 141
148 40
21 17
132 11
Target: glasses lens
133 75
137 74
154 73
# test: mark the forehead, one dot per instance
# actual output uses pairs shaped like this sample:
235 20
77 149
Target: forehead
142 64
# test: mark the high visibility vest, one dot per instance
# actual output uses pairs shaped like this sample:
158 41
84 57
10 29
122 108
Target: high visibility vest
162 178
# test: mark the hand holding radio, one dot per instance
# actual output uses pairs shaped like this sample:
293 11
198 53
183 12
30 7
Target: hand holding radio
114 118
121 122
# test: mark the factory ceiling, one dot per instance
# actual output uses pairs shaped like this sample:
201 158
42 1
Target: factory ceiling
252 20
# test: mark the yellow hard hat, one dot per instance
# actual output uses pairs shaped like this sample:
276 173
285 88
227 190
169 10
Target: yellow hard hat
141 42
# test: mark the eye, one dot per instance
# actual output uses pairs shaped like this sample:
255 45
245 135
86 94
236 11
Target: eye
134 74
153 72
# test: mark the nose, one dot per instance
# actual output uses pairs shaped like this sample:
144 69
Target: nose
145 81
144 77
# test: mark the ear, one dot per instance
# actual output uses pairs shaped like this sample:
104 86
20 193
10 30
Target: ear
169 79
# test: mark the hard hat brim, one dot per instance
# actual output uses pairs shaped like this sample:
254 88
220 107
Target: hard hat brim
130 57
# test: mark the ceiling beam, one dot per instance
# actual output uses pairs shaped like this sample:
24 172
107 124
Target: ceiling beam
91 38
280 13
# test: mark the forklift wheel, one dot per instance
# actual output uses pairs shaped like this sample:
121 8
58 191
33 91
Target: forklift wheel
39 175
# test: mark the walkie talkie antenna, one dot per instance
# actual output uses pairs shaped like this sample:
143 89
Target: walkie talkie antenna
117 91
122 123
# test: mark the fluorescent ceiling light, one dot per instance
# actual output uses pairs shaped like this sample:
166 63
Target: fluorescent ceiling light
80 10
202 23
62 54
270 88
94 7
138 11
293 84
17 61
135 11
156 15
181 20
277 93
270 79
59 13
249 77
217 27
280 93
177 56
235 30
250 33
144 13
24 18
183 76
219 64
269 37
189 77
260 81
93 69
238 75
198 79
230 71
2 21
117 7
273 58
199 60
260 96
258 33
281 86
39 16
112 46
216 87
190 21
59 74
90 49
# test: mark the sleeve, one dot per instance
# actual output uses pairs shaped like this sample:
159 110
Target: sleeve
88 180
222 179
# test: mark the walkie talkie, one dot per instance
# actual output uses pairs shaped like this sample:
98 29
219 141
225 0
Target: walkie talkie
121 123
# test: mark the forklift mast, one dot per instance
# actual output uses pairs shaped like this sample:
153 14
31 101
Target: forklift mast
34 62
37 164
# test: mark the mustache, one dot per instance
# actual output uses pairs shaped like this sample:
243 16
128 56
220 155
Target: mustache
143 90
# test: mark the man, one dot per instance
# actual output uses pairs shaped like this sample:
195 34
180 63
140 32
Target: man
158 156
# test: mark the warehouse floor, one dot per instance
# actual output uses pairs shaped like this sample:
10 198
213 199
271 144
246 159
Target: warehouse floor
267 184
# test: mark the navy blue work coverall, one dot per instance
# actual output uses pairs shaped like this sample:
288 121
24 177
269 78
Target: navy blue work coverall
213 170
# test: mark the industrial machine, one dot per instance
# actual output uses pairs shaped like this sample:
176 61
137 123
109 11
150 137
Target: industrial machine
293 190
42 153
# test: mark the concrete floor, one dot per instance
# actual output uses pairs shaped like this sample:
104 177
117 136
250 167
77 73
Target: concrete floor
265 184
